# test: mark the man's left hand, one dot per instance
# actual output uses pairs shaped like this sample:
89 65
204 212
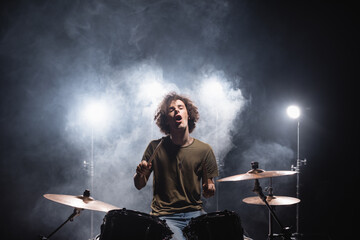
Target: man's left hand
209 190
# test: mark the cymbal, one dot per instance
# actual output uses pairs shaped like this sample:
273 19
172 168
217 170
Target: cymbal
256 174
81 201
272 200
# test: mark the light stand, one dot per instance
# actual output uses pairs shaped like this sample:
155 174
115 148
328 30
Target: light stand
294 112
92 180
96 115
89 166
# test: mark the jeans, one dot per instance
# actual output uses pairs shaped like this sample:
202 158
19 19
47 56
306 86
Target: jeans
178 221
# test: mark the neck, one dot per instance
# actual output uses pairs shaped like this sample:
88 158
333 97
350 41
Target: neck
182 138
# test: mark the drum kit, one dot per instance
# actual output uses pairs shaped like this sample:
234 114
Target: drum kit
127 224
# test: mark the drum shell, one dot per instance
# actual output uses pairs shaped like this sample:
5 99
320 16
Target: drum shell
129 224
217 225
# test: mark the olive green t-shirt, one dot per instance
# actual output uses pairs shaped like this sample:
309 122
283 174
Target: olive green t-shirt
177 175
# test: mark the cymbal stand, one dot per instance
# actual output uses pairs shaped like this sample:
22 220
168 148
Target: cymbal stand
269 189
286 234
70 218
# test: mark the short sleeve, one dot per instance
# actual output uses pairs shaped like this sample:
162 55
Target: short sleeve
211 165
148 151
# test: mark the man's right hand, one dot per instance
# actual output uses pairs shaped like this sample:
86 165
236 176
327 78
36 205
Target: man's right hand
144 168
143 171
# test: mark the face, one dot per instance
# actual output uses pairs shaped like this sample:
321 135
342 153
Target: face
177 116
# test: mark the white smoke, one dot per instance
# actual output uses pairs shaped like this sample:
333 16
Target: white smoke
128 55
133 96
270 155
219 105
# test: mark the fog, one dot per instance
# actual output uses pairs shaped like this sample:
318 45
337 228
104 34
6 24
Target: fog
239 64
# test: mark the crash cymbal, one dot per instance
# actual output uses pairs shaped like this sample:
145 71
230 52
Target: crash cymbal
81 201
256 174
272 200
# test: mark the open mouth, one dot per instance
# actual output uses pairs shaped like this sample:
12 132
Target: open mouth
178 118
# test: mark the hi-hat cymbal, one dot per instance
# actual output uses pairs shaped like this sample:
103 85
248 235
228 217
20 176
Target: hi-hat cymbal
256 174
272 200
81 201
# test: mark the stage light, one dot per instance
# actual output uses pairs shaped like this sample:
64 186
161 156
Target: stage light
213 88
211 92
96 113
293 112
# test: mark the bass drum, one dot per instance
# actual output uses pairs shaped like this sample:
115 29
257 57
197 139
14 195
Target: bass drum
216 225
128 224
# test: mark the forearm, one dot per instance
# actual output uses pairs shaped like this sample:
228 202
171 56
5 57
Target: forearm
140 181
209 188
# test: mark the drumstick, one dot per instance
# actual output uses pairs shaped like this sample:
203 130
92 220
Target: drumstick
155 151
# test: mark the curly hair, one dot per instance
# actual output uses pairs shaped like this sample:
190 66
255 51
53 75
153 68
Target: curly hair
163 109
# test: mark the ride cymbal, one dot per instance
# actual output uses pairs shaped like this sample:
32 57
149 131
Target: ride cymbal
272 200
82 202
256 174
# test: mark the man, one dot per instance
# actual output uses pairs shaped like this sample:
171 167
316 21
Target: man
179 163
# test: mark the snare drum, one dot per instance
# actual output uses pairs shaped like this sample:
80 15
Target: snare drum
216 225
128 224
